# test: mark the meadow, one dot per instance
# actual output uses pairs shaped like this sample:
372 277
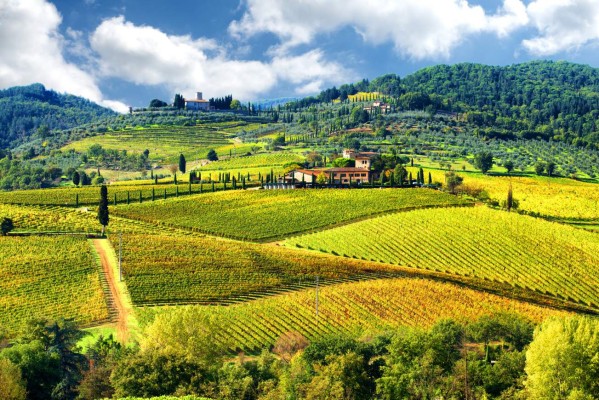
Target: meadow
358 308
165 143
481 243
267 215
50 277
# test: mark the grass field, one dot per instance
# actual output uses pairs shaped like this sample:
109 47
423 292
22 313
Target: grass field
165 143
49 277
267 215
354 308
476 242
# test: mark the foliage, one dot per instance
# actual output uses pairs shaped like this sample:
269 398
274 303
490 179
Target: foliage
562 361
103 216
24 109
212 156
483 161
12 386
350 308
6 226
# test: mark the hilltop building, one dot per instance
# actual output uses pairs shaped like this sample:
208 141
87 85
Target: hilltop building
197 104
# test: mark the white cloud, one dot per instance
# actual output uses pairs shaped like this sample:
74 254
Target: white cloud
147 56
563 25
31 50
417 28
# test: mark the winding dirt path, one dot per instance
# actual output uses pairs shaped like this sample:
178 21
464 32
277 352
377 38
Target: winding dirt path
109 267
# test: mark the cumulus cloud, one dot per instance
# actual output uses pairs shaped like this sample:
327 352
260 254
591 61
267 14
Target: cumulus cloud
31 50
417 28
563 25
147 56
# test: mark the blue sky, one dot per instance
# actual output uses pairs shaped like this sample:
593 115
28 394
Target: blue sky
127 52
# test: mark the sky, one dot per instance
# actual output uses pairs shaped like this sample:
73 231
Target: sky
122 53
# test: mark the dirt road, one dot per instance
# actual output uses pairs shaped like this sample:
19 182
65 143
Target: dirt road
109 267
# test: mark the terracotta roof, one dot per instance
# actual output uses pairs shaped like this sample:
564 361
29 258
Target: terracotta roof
347 169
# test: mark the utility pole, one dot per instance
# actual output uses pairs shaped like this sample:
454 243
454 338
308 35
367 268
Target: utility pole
316 299
120 256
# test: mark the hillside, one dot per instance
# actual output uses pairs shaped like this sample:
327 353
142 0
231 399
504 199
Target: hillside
27 111
541 99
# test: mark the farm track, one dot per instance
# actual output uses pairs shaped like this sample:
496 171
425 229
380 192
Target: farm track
118 302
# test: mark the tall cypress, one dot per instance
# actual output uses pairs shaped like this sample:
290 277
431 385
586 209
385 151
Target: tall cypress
103 216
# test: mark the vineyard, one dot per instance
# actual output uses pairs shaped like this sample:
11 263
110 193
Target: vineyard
267 215
550 197
49 277
120 194
354 308
497 246
254 161
161 269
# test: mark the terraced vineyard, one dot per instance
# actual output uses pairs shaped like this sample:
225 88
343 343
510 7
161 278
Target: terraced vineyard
49 277
90 195
530 253
267 215
162 269
356 308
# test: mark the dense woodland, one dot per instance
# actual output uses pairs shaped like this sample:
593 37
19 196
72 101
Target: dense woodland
495 357
33 111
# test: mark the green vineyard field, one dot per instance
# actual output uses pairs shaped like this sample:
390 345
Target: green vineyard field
354 308
49 277
268 215
161 269
497 246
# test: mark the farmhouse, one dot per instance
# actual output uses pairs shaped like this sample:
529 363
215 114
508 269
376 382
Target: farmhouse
359 174
379 106
198 103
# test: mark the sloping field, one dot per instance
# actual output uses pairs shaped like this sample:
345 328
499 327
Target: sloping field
253 161
267 215
90 195
163 269
354 308
550 197
49 277
530 253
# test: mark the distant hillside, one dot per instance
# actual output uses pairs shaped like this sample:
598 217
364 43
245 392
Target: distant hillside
541 99
33 110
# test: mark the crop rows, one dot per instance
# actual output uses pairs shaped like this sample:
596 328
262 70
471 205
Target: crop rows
179 270
90 195
266 214
49 277
530 253
56 219
354 308
550 197
254 161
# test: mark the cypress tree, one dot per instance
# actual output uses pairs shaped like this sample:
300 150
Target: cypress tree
103 216
76 178
182 163
127 197
510 198
153 195
430 178
175 180
140 198
115 199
